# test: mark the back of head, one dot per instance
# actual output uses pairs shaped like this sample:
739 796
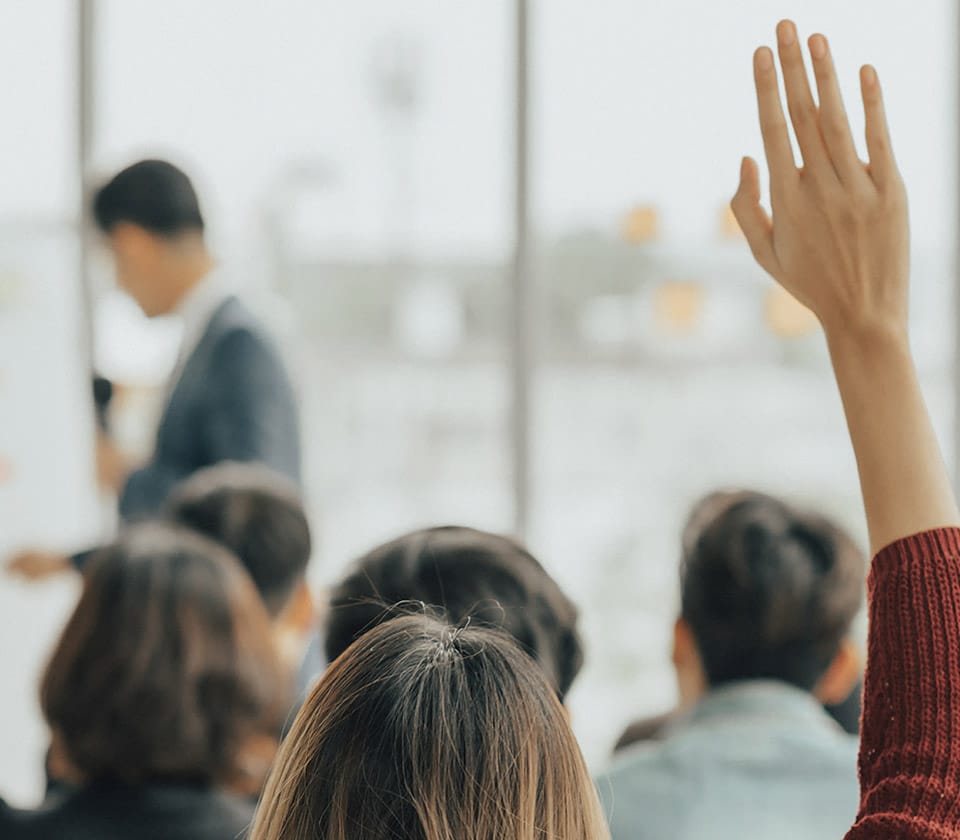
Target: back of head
153 195
768 592
427 731
255 513
166 667
465 572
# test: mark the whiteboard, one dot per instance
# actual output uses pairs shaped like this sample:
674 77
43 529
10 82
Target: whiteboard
47 489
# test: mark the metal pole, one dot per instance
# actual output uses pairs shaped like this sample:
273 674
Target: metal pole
521 281
86 105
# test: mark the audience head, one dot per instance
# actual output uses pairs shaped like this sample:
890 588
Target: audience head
428 731
491 579
150 216
767 592
166 669
259 516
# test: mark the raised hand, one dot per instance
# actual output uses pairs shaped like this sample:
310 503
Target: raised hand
838 239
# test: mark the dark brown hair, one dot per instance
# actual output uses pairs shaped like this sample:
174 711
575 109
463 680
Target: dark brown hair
768 591
490 578
426 731
166 668
255 513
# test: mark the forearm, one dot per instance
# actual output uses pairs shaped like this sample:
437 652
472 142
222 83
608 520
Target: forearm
905 485
839 241
908 755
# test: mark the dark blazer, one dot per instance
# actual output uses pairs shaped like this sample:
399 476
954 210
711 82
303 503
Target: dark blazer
113 812
232 402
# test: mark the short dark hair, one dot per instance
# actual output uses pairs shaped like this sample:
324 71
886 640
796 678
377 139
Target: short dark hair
258 515
166 667
152 194
490 579
769 592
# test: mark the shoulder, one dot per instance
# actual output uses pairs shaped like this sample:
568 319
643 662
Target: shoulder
634 771
235 324
640 792
42 822
234 313
239 341
7 818
221 815
147 813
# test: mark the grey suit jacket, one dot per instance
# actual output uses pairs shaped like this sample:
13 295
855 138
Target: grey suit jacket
232 402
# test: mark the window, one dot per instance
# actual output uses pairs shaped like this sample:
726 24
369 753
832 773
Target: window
46 432
354 162
670 364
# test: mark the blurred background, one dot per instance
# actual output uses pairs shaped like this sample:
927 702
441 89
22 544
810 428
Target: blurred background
494 239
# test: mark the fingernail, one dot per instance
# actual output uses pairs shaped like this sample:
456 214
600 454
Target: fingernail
787 32
869 76
818 46
764 59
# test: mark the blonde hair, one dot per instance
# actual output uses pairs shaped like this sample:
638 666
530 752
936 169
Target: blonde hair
425 731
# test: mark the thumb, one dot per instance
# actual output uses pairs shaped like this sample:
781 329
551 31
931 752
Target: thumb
752 218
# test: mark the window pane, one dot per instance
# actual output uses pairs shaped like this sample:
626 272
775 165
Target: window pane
672 367
46 430
37 58
353 158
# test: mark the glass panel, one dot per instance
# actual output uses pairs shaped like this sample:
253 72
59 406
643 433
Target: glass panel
353 160
672 366
37 59
46 424
46 472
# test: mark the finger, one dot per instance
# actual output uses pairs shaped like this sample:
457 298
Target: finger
752 218
883 166
773 125
803 110
834 125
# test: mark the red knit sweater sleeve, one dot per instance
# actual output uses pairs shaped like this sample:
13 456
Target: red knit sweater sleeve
910 733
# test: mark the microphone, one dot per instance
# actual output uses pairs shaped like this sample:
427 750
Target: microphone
102 396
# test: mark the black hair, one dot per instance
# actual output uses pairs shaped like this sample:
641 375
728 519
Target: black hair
768 591
255 513
152 194
489 579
